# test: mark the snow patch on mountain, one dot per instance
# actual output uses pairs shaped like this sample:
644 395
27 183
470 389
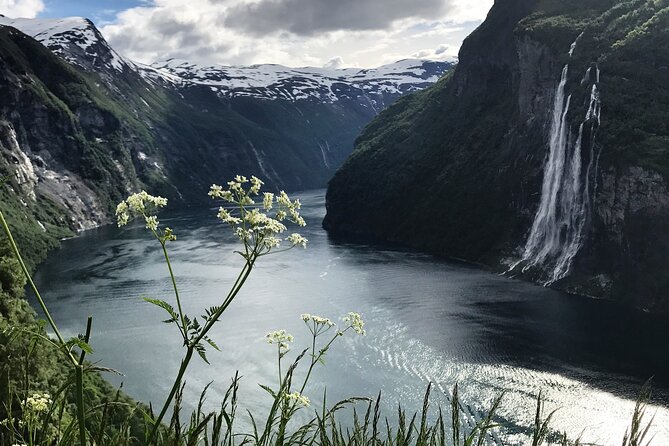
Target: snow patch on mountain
78 41
272 81
75 39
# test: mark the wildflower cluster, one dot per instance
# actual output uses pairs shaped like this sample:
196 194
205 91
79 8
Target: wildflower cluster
251 222
306 317
297 398
10 422
317 324
144 205
279 337
354 321
37 403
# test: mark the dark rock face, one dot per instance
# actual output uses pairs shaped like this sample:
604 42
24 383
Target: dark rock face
49 153
457 169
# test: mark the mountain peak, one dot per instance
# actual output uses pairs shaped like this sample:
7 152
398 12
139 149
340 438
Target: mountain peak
75 39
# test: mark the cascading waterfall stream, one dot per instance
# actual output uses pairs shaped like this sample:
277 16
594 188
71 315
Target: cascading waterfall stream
558 228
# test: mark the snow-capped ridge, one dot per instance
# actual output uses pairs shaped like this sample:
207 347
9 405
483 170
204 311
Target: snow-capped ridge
278 81
75 39
78 41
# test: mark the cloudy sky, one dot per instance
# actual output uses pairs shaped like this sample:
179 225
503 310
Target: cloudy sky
340 33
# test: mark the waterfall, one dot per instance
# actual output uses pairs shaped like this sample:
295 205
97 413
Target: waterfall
558 228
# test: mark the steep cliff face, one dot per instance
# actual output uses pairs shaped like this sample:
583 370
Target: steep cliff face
545 153
59 140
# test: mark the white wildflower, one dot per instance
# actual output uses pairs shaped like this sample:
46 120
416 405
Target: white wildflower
225 216
283 199
297 240
256 184
268 200
252 224
151 222
122 214
297 398
243 234
271 242
217 191
354 320
235 187
306 317
168 235
274 226
139 204
279 337
37 402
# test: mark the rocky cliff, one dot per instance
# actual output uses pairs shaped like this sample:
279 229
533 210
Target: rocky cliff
544 154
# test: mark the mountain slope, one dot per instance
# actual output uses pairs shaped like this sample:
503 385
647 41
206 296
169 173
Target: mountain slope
195 125
547 149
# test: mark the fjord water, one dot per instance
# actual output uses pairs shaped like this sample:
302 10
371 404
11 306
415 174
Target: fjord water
427 320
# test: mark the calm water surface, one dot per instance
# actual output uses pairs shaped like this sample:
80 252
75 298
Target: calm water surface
427 320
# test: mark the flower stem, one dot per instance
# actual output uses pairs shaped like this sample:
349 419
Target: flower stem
170 397
239 283
183 329
315 359
243 275
81 413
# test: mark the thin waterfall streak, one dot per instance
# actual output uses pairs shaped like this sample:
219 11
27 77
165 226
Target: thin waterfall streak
542 235
550 186
558 229
573 45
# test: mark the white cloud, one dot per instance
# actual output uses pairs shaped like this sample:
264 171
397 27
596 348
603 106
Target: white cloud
335 62
442 52
21 8
307 17
224 31
467 10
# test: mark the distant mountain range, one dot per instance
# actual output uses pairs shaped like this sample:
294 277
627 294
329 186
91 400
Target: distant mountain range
81 126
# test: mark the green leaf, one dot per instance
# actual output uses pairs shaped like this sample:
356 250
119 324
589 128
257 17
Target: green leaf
165 306
268 390
212 343
202 351
210 312
80 343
